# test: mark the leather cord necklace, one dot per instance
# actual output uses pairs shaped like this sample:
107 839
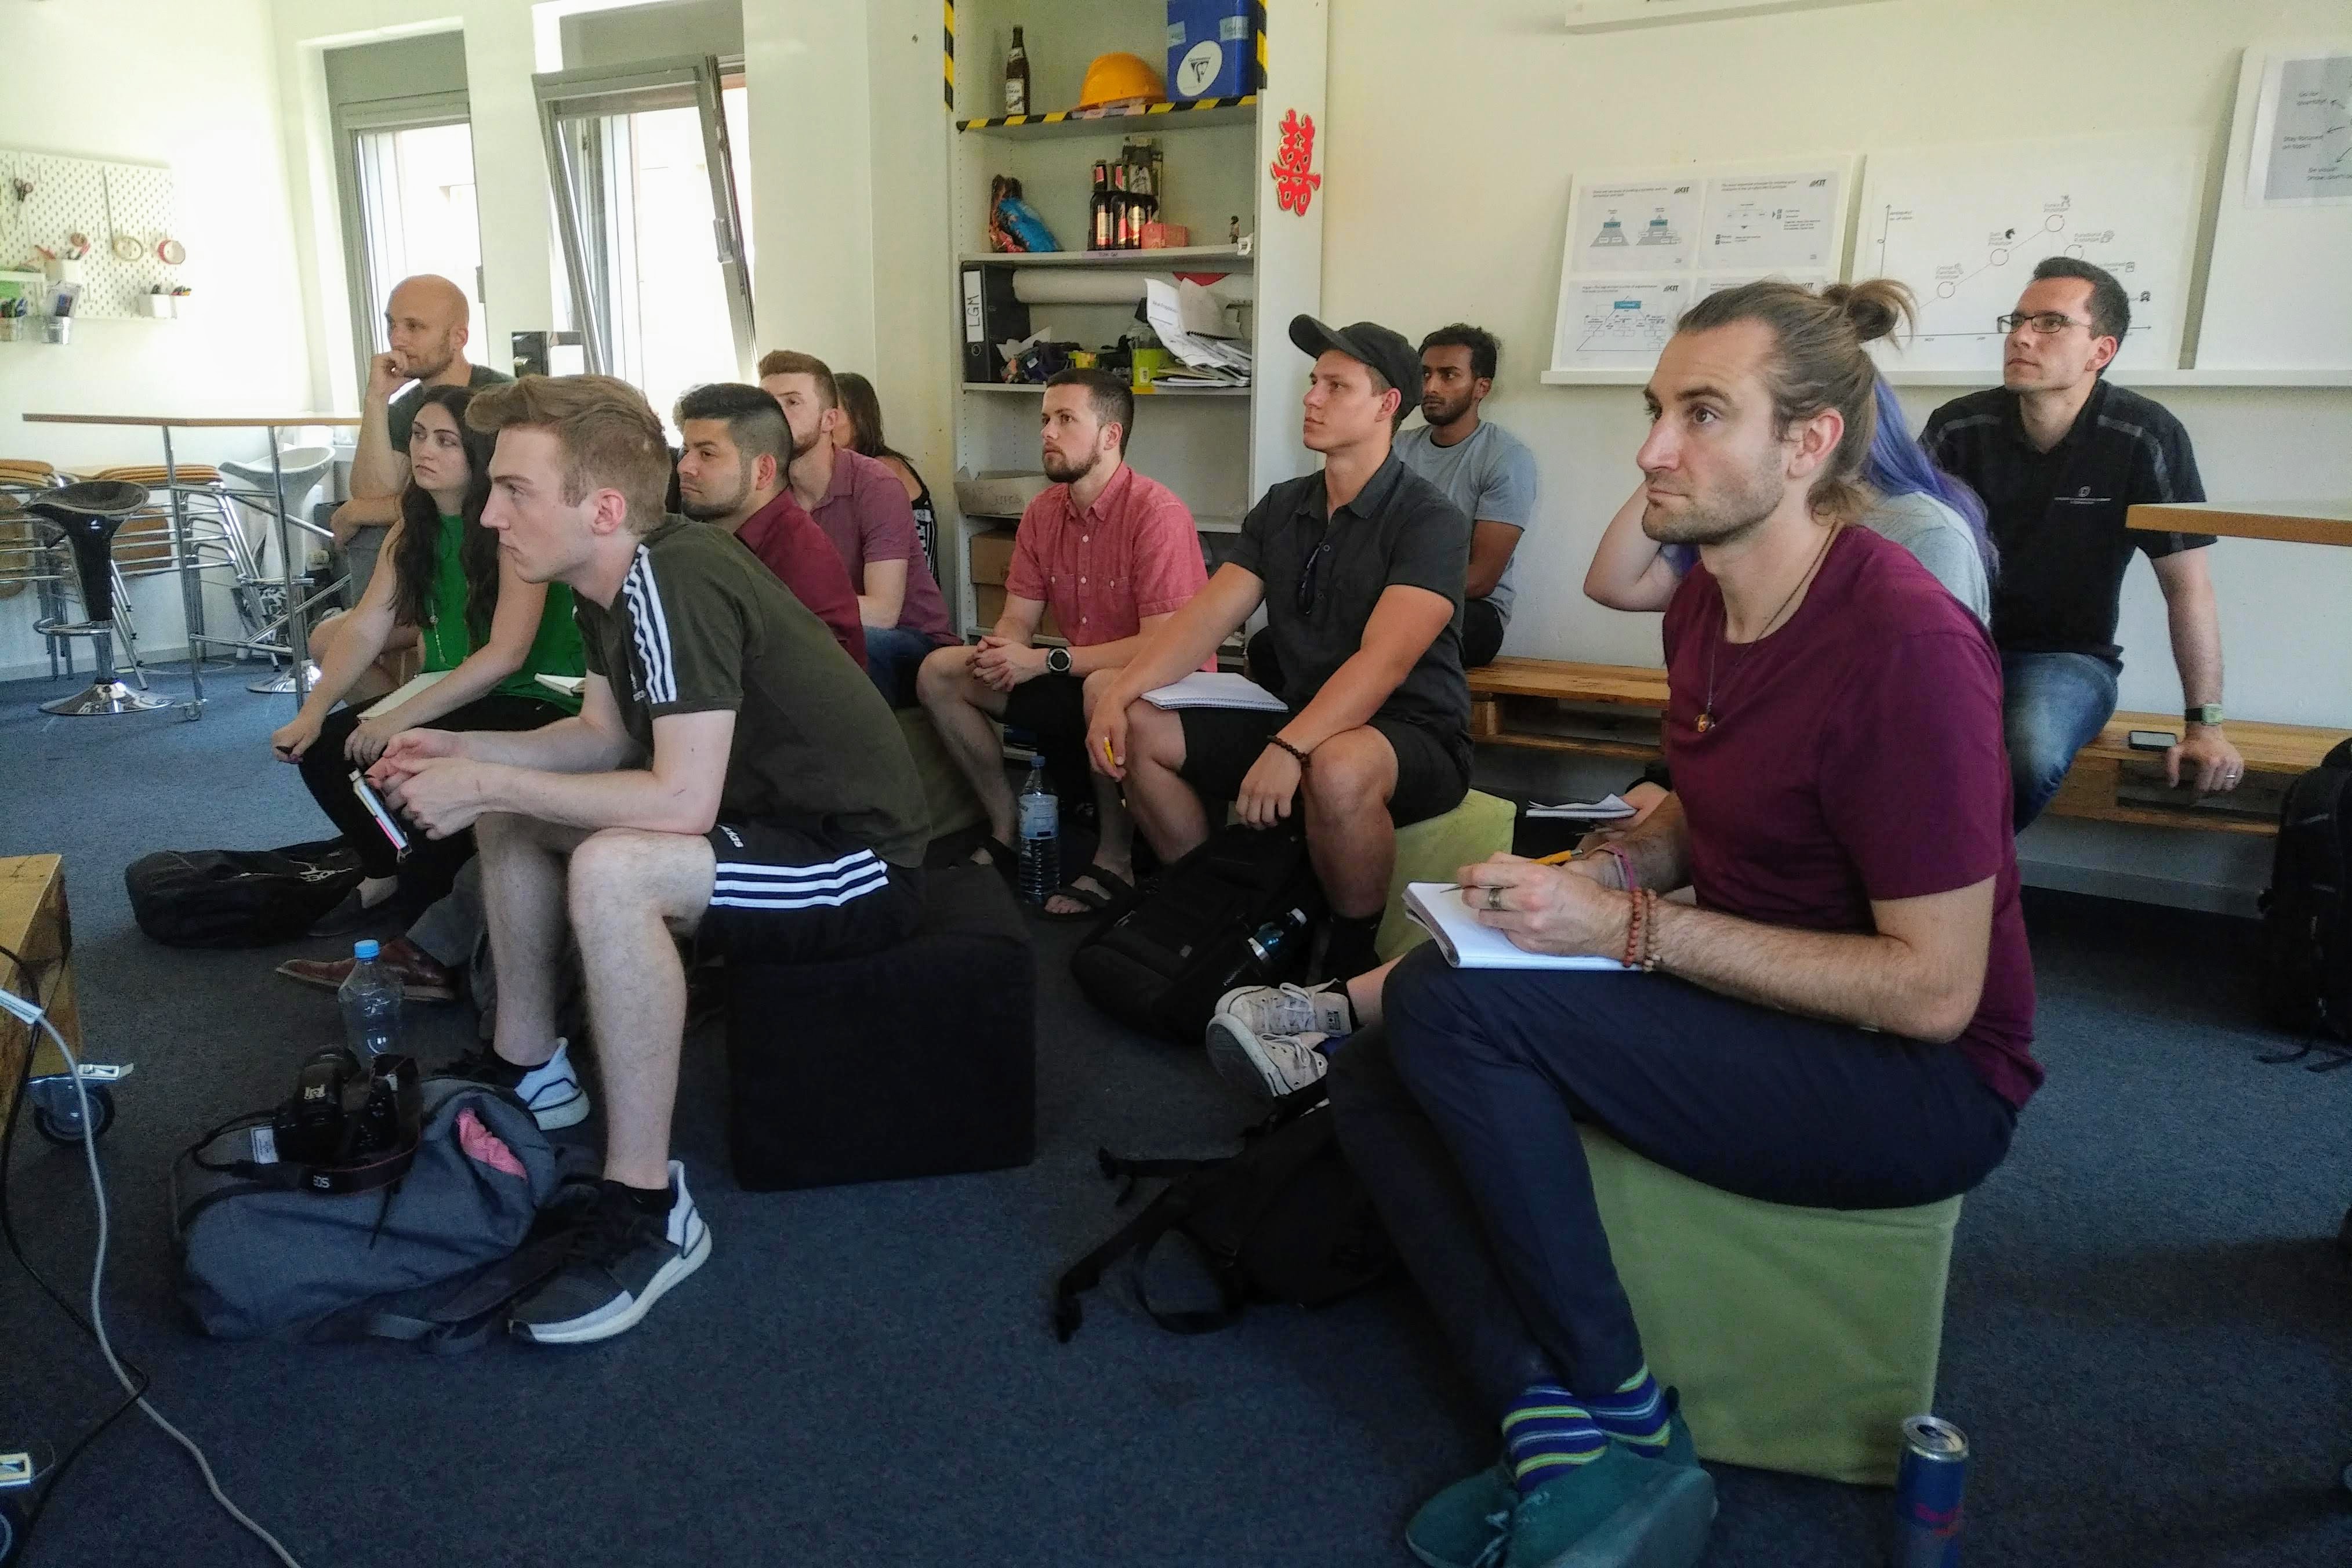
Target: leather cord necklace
1706 718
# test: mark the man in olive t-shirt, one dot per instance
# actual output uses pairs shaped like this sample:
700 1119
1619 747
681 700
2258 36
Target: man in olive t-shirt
731 771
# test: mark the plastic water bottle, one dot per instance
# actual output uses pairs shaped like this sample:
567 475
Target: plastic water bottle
370 996
1041 836
1275 943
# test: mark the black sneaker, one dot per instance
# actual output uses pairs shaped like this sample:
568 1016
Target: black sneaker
621 1261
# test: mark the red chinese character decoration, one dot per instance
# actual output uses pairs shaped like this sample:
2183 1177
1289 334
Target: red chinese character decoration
1295 181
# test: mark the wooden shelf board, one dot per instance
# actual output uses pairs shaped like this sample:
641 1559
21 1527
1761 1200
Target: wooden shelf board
1174 259
2293 522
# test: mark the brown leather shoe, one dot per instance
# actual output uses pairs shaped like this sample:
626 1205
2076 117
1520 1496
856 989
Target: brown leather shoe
422 978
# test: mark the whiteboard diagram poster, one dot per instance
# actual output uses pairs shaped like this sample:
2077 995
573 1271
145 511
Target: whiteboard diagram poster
1641 249
2303 133
1964 227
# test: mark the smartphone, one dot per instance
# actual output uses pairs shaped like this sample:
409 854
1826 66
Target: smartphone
2152 740
374 803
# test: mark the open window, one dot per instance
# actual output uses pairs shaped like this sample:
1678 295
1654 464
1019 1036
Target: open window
409 206
649 220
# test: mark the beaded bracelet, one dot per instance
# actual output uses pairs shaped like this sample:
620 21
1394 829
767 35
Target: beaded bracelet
1633 930
1625 866
1650 931
1278 740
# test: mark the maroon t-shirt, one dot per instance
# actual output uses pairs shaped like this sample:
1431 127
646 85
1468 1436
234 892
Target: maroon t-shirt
1856 754
867 516
788 542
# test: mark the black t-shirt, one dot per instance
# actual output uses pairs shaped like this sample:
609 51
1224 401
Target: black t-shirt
700 625
1400 529
2058 516
400 414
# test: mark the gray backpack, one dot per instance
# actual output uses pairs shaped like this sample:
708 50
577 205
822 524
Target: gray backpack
429 1245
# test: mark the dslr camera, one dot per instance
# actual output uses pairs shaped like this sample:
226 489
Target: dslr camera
343 1114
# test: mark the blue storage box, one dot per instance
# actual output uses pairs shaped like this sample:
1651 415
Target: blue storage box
1211 48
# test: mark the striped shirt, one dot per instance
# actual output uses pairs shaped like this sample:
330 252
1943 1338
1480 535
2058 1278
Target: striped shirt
699 625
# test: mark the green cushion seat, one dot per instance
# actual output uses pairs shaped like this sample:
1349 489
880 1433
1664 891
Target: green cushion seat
1800 1338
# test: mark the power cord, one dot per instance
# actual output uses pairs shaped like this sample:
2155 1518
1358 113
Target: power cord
33 1014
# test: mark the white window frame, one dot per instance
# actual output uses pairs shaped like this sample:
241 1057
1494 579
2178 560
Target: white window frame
352 122
588 195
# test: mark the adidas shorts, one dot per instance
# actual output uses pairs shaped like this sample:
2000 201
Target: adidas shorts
785 894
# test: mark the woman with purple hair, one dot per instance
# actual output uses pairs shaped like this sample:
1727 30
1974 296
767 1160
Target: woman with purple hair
1916 504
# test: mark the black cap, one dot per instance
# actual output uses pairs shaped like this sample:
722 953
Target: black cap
1368 343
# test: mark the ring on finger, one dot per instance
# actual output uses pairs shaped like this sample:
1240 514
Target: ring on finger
1494 898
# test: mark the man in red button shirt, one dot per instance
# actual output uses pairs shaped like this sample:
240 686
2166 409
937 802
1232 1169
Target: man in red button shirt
1841 1019
1111 554
732 473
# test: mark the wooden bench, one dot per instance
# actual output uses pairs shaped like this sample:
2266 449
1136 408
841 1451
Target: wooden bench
1615 710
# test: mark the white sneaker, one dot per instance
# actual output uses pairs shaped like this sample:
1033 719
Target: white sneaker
1266 1065
552 1091
1289 1010
619 1263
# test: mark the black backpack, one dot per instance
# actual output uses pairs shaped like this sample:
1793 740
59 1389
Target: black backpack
1160 962
238 898
1284 1220
2307 913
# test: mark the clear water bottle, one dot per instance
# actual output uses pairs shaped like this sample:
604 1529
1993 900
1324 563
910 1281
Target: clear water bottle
370 996
1041 836
1275 944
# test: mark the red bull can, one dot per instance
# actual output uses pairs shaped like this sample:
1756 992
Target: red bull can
1927 1492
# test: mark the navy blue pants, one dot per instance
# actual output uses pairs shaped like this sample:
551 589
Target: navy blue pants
1459 1116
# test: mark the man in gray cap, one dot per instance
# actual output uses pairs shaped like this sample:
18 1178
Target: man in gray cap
1360 569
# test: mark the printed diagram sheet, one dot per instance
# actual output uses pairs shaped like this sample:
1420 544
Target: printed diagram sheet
1773 225
1634 227
1964 227
2303 133
1622 321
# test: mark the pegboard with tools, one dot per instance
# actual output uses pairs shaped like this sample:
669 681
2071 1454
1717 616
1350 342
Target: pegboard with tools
123 211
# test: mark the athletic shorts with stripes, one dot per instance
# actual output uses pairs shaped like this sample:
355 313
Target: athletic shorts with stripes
786 894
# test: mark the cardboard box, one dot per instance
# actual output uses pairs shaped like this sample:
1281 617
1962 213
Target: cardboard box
991 555
998 492
1166 235
1212 50
989 599
36 923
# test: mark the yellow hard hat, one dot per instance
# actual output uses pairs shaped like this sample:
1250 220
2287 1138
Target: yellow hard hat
1121 78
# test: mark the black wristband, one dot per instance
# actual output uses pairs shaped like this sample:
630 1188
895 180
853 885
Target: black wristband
1278 740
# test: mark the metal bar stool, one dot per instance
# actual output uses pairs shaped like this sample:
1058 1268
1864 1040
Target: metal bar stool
31 551
89 514
283 487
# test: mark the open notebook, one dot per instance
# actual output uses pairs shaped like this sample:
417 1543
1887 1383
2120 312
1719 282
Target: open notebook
1437 908
1217 688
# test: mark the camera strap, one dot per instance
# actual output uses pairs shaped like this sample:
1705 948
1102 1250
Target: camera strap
293 1175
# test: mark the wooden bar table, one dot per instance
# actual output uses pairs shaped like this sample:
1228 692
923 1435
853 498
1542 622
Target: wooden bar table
297 628
2293 523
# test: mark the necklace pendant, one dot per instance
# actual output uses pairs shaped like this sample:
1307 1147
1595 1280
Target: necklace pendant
1705 721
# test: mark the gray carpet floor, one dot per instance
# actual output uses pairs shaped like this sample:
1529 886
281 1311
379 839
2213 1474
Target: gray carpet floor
2148 1341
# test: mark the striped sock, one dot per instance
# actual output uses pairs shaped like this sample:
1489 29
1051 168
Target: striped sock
1635 1415
1547 1433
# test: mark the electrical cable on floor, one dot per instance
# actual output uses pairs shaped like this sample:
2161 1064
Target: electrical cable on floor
32 1015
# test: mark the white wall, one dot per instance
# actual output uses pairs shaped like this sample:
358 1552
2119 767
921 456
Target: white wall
133 79
1452 146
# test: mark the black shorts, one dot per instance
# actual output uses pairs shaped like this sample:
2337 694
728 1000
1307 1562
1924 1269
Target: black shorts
1222 744
1051 707
785 894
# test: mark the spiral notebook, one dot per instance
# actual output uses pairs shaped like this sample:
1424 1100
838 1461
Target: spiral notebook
1437 908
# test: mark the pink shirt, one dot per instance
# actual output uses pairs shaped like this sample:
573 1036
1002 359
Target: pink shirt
1856 754
1132 554
867 516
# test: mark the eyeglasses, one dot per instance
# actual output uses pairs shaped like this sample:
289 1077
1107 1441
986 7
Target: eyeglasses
2046 323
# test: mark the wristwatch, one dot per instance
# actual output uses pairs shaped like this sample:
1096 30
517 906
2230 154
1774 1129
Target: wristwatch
2209 713
1057 662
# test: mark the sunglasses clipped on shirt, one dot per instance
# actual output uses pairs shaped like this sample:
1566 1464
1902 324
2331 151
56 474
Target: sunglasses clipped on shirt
1312 572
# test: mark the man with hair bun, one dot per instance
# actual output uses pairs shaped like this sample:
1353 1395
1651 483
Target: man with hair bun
1842 1018
2058 453
730 771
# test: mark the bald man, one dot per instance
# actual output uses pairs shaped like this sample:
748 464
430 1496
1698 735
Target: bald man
425 322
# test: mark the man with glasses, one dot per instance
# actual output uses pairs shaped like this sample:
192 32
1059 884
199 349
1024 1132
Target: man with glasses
2058 453
1360 569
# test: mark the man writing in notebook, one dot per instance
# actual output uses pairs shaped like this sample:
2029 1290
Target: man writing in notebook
1843 1020
1359 567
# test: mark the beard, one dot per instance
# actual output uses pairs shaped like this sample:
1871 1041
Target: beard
1437 411
425 363
804 444
1721 513
705 506
1066 470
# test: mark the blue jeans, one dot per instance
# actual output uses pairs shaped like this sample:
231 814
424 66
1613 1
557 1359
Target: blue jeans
2056 703
1459 1117
892 657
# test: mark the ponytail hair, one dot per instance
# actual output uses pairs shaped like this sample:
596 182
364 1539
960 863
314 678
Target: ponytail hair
1817 363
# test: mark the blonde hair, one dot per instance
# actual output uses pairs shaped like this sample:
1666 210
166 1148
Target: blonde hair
1818 362
609 435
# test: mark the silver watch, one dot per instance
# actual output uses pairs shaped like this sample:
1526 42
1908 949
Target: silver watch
1057 660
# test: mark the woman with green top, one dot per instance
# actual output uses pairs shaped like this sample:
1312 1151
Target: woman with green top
486 635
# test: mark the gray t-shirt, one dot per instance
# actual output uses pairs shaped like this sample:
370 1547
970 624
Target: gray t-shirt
1491 476
1941 539
400 414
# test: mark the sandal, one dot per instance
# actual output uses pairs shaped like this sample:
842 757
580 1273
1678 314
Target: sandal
1096 904
1003 860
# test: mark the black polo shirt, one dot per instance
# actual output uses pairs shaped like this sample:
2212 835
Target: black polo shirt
2058 516
1400 529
